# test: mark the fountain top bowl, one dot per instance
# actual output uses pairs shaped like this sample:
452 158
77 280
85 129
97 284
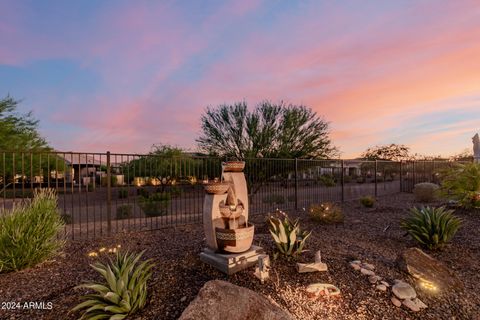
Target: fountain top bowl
233 166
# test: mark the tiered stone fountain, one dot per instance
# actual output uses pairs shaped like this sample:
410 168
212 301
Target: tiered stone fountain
228 233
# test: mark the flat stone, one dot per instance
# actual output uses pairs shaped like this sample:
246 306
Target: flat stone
355 266
311 267
411 305
367 272
385 283
433 274
396 302
219 300
403 290
420 303
381 287
374 279
356 261
368 266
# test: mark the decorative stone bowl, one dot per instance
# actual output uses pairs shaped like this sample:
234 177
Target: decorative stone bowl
236 240
233 166
216 187
227 212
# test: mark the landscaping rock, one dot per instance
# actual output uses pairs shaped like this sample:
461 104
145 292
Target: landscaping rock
420 303
356 262
426 268
385 283
381 287
355 266
403 290
374 279
411 305
396 302
368 266
222 300
367 272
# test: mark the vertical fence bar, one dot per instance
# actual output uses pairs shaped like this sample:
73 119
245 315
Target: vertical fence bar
375 177
296 184
401 176
343 180
109 195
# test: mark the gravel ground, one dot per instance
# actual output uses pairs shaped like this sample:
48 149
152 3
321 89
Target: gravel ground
371 235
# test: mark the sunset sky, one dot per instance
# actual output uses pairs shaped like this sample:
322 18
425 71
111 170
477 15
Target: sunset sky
123 75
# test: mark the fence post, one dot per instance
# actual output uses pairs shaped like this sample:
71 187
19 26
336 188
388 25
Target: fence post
343 181
296 184
401 175
109 194
376 170
414 174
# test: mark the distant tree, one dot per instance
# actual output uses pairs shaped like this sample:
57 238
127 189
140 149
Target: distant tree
269 131
465 155
18 131
391 152
20 144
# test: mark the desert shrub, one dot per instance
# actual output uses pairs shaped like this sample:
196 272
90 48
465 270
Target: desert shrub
462 183
143 192
273 199
124 211
326 212
326 180
29 232
123 193
123 291
289 238
347 179
175 191
156 204
431 227
425 191
361 179
367 201
90 187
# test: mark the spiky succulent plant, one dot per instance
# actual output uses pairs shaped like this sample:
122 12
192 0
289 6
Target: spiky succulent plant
287 235
123 293
431 227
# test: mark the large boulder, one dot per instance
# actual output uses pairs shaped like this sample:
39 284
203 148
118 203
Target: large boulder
219 300
432 273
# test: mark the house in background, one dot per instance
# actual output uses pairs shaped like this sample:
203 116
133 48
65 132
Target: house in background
87 168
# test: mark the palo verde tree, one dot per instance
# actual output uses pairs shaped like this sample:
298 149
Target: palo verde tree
20 145
269 131
388 155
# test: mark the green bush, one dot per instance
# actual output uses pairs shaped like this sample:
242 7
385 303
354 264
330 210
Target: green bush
124 211
122 193
90 187
425 191
288 237
361 179
326 212
123 291
326 180
113 181
143 192
431 227
156 204
29 233
273 199
367 201
462 183
175 191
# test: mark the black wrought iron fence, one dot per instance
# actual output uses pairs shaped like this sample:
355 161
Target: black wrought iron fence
103 193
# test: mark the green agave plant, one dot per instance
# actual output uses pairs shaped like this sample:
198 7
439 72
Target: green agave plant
431 227
287 235
124 292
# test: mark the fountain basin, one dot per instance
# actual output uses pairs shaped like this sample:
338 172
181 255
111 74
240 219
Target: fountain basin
228 213
216 187
233 166
236 240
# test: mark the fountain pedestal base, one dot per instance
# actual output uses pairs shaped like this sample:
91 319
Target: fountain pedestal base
229 263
